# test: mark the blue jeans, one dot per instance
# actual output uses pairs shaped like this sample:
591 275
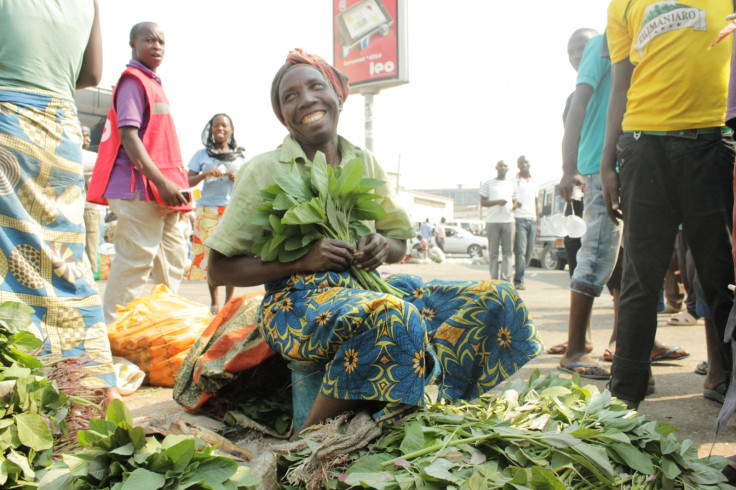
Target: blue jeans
667 181
526 232
599 246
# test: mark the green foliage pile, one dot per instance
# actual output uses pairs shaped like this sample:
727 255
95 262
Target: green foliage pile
327 202
545 433
118 456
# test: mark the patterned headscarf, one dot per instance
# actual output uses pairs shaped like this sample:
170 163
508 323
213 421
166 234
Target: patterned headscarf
208 140
337 79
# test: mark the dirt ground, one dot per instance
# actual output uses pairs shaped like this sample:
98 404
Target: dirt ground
678 397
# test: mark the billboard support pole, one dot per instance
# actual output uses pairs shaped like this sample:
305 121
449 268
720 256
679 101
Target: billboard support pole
369 120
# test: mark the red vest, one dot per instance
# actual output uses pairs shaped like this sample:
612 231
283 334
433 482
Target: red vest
159 139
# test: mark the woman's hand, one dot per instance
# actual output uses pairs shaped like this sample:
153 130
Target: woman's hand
231 174
215 172
328 254
373 250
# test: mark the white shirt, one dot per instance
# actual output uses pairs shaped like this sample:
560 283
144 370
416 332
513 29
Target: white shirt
526 194
493 190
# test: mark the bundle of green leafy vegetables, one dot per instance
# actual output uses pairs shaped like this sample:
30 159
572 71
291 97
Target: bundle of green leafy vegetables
545 433
326 201
118 455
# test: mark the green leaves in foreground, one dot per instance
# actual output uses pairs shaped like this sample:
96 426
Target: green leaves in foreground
117 455
325 202
545 433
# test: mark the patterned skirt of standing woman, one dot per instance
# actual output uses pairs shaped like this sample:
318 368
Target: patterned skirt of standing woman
464 336
205 223
42 259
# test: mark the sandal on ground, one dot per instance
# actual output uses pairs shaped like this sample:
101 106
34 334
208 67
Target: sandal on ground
562 348
702 368
718 394
675 353
684 318
214 309
586 370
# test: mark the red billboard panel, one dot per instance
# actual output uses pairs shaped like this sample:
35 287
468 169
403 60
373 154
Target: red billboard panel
369 42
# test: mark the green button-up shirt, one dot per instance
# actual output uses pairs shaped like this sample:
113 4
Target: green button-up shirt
234 235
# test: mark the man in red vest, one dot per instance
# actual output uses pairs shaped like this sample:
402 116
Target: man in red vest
139 173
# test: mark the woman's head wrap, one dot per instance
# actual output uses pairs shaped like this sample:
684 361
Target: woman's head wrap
208 140
337 79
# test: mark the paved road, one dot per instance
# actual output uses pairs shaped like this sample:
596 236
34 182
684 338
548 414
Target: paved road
678 397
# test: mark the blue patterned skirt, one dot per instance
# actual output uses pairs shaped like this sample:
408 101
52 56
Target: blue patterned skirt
373 346
42 259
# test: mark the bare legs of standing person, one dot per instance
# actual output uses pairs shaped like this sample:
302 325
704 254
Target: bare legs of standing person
214 297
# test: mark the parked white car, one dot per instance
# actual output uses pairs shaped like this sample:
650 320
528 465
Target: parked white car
459 241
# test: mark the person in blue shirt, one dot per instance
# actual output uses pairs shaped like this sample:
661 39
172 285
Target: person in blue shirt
216 165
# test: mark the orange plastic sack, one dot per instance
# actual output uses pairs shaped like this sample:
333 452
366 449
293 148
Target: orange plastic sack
155 332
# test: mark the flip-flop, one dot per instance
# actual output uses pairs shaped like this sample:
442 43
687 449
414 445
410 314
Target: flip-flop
596 373
718 394
684 318
702 368
671 355
562 348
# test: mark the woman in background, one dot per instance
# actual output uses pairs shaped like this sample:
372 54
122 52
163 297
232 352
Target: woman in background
217 165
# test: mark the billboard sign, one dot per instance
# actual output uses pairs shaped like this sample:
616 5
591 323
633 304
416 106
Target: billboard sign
370 43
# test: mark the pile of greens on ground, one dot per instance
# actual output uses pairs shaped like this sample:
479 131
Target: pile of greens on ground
37 420
118 455
327 202
545 433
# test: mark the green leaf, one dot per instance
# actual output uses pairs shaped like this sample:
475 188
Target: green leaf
57 478
319 174
367 183
216 469
635 459
367 210
118 413
181 454
303 214
15 316
21 461
33 431
271 191
26 341
284 201
292 255
379 481
350 176
440 470
294 185
413 438
275 222
141 478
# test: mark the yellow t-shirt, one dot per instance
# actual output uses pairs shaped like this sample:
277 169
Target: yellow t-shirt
234 235
678 82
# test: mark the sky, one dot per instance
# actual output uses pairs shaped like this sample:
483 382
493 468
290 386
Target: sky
488 79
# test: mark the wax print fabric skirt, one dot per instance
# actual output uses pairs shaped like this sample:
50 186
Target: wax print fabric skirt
373 346
42 259
206 221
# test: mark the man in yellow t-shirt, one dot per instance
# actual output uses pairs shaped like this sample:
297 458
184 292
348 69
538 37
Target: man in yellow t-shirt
665 129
